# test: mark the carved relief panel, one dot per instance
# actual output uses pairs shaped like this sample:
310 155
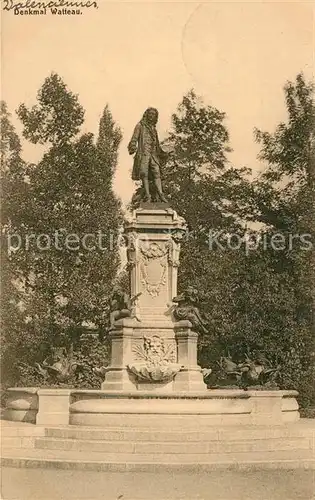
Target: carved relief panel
154 359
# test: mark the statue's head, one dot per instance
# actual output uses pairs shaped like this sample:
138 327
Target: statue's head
151 116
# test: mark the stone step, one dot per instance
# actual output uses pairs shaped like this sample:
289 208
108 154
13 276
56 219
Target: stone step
73 460
19 434
220 434
18 441
20 429
142 447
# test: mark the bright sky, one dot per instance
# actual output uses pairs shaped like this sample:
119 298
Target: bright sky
237 55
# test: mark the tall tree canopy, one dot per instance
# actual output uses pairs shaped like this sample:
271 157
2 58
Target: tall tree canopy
57 116
69 257
250 299
15 195
284 199
200 182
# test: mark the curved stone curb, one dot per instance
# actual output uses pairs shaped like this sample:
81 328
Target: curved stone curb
306 464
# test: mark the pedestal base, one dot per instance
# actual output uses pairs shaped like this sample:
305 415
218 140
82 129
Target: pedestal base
118 379
126 340
191 410
190 380
99 407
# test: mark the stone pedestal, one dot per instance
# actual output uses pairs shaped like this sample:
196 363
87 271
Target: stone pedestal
117 377
150 352
266 407
153 245
53 406
21 404
190 377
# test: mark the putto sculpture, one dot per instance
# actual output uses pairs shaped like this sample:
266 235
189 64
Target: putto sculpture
185 307
121 305
149 156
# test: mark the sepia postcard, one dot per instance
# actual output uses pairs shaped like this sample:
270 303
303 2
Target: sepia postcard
158 250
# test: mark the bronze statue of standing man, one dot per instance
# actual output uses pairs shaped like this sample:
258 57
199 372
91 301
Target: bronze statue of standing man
149 155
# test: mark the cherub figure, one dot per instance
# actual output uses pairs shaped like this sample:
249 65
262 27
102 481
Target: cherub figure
186 308
121 305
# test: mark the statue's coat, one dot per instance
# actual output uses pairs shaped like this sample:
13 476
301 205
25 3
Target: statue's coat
141 142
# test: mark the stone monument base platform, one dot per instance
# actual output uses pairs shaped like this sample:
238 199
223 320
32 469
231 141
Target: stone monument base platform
146 409
149 431
190 410
164 447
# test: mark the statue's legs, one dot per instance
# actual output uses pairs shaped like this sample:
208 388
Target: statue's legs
145 183
115 315
155 172
158 185
144 174
150 170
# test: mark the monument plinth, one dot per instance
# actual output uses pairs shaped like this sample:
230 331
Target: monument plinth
150 349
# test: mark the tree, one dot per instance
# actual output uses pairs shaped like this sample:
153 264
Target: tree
289 180
57 117
15 192
248 297
202 185
284 193
284 200
200 182
73 218
13 173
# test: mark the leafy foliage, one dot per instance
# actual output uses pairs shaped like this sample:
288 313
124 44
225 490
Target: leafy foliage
252 300
285 201
89 354
14 201
56 118
68 224
199 180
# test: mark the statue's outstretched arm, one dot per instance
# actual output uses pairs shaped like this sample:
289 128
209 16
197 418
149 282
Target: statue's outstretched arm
132 146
